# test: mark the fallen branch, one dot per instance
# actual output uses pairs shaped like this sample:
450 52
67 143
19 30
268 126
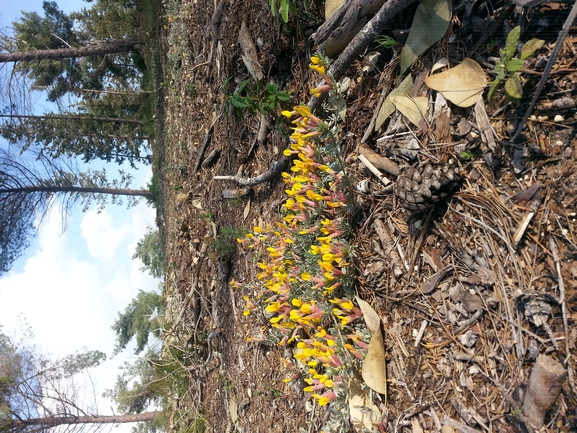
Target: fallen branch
205 142
361 41
381 162
260 137
342 26
276 169
390 248
367 34
563 302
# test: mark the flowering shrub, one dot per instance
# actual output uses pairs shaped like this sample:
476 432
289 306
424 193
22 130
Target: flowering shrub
306 285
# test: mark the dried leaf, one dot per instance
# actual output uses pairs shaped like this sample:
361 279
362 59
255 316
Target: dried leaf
374 369
233 409
471 302
432 284
430 24
364 413
461 85
413 109
246 209
388 107
526 194
441 63
331 6
371 317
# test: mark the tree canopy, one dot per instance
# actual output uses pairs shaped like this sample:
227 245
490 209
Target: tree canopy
62 53
88 137
138 321
38 393
29 187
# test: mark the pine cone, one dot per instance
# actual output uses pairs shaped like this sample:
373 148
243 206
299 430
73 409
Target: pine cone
422 186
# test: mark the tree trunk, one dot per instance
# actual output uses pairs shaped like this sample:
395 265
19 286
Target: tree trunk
73 117
77 189
98 48
53 421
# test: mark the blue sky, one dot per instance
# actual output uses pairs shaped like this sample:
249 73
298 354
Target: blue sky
70 286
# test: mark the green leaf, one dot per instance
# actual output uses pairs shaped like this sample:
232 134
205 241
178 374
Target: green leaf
242 85
284 10
429 25
493 89
283 96
239 102
514 65
530 47
273 8
513 87
511 44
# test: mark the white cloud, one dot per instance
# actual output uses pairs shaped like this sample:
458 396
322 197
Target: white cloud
103 237
74 284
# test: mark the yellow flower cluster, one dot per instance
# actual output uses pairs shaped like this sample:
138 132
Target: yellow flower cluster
305 283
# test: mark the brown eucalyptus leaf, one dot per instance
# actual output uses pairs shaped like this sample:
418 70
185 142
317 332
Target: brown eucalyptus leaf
413 109
371 317
374 369
461 85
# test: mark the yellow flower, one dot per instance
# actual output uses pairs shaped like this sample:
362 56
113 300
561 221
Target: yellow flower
328 257
304 110
315 249
272 308
296 302
313 195
305 276
348 305
323 401
319 68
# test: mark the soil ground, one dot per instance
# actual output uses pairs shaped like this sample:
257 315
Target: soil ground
472 235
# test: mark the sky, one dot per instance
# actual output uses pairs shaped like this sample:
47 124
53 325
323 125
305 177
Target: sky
70 286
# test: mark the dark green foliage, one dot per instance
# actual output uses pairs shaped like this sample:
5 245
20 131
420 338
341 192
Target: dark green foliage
137 387
70 135
16 227
105 20
150 251
255 97
138 321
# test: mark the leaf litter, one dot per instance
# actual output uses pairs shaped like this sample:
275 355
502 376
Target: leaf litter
456 355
